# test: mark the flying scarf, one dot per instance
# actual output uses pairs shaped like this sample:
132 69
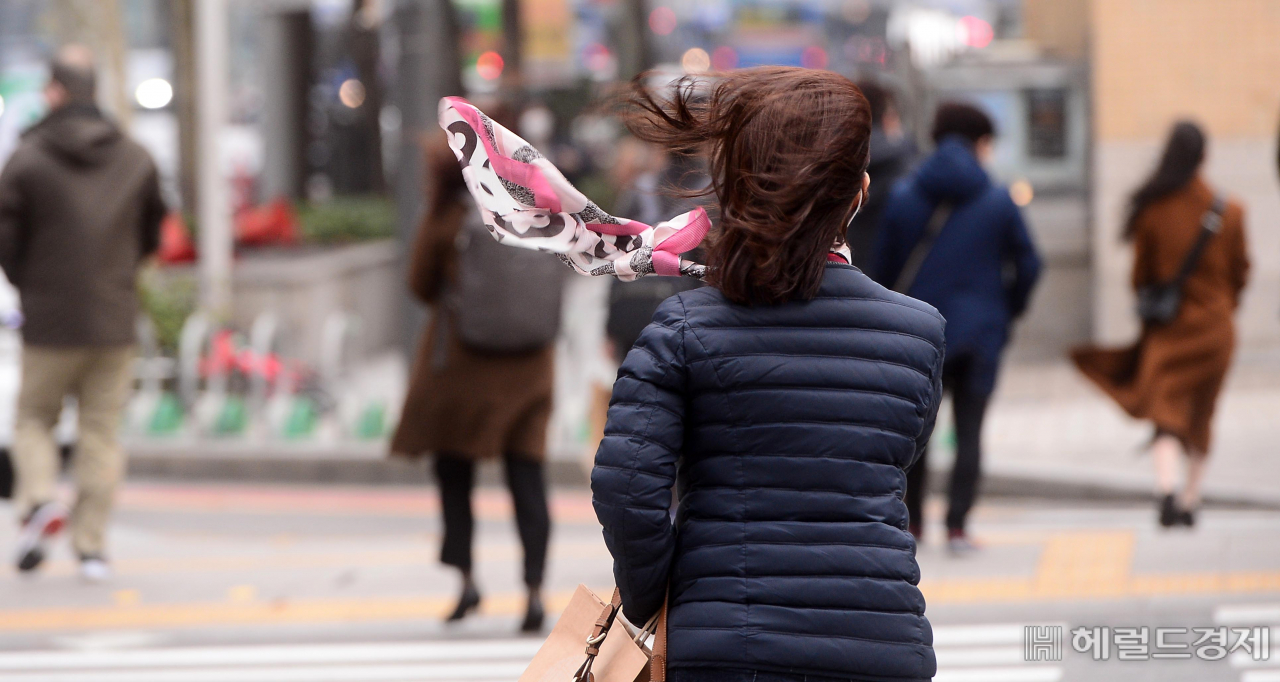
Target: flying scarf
525 201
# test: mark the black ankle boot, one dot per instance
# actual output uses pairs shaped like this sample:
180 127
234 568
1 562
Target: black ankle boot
469 601
1186 517
1168 512
533 616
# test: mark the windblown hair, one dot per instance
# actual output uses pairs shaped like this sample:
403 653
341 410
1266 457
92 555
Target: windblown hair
1183 154
786 150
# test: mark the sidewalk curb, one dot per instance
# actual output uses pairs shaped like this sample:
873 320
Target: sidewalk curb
370 466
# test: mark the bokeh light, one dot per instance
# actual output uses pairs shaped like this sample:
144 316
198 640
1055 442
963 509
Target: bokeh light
977 32
662 20
696 60
153 93
1021 192
1 106
856 11
351 93
724 58
596 57
813 57
489 65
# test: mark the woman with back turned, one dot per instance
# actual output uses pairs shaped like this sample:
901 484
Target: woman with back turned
1172 376
784 403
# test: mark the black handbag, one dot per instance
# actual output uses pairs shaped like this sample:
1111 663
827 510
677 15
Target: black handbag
1158 304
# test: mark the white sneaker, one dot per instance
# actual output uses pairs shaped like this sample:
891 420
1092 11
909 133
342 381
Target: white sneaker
95 569
45 521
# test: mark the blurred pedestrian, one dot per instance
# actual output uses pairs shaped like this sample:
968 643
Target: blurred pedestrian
481 385
785 401
893 152
80 209
953 239
659 191
1190 259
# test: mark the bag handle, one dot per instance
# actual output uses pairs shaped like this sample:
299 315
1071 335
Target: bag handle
658 661
596 638
910 269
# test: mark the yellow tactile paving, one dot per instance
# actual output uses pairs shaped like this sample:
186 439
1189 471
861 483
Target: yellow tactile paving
1073 566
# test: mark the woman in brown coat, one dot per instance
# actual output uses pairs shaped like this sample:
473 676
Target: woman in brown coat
465 405
1173 375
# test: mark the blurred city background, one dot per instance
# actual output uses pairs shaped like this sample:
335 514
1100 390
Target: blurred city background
278 331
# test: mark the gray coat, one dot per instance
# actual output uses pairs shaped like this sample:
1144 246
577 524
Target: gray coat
80 208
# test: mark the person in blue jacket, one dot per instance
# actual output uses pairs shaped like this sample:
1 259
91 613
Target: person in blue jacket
783 403
955 240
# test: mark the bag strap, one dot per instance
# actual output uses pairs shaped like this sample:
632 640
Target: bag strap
1210 224
596 638
658 661
907 276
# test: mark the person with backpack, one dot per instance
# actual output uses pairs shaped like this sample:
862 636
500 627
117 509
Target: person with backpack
955 240
1190 267
650 197
482 382
893 152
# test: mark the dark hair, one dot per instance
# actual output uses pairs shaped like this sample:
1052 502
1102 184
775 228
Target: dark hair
965 120
786 151
72 68
879 98
1183 154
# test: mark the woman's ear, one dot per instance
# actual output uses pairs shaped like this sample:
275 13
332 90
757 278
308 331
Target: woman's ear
866 182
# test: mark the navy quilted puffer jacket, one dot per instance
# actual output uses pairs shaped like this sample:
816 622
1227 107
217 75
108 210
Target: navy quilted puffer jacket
786 431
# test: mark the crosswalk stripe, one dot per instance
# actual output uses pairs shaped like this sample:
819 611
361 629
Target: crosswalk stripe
1261 676
1019 674
469 672
971 653
967 656
1247 614
975 635
435 652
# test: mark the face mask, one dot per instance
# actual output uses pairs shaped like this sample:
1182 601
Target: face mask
861 195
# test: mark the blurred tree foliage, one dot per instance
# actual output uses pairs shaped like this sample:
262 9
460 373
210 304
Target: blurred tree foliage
347 219
168 301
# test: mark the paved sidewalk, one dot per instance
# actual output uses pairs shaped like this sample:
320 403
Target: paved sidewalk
1050 432
330 583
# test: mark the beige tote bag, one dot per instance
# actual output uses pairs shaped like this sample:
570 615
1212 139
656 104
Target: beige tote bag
585 646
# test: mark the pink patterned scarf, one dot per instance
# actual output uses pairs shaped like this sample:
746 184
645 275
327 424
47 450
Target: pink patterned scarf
525 201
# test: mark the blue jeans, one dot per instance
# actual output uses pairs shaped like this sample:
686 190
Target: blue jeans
739 675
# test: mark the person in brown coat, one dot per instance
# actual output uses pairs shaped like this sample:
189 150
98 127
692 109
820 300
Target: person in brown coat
465 405
1172 376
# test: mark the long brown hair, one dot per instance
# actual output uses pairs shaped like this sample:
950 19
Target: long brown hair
787 148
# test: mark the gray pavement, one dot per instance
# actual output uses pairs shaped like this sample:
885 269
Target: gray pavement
267 582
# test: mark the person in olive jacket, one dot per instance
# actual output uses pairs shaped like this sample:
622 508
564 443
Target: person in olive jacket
80 208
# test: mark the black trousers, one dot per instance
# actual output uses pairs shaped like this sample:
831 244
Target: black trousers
457 476
970 407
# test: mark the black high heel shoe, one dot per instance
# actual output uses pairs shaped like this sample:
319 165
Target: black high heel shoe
533 616
469 601
1168 512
